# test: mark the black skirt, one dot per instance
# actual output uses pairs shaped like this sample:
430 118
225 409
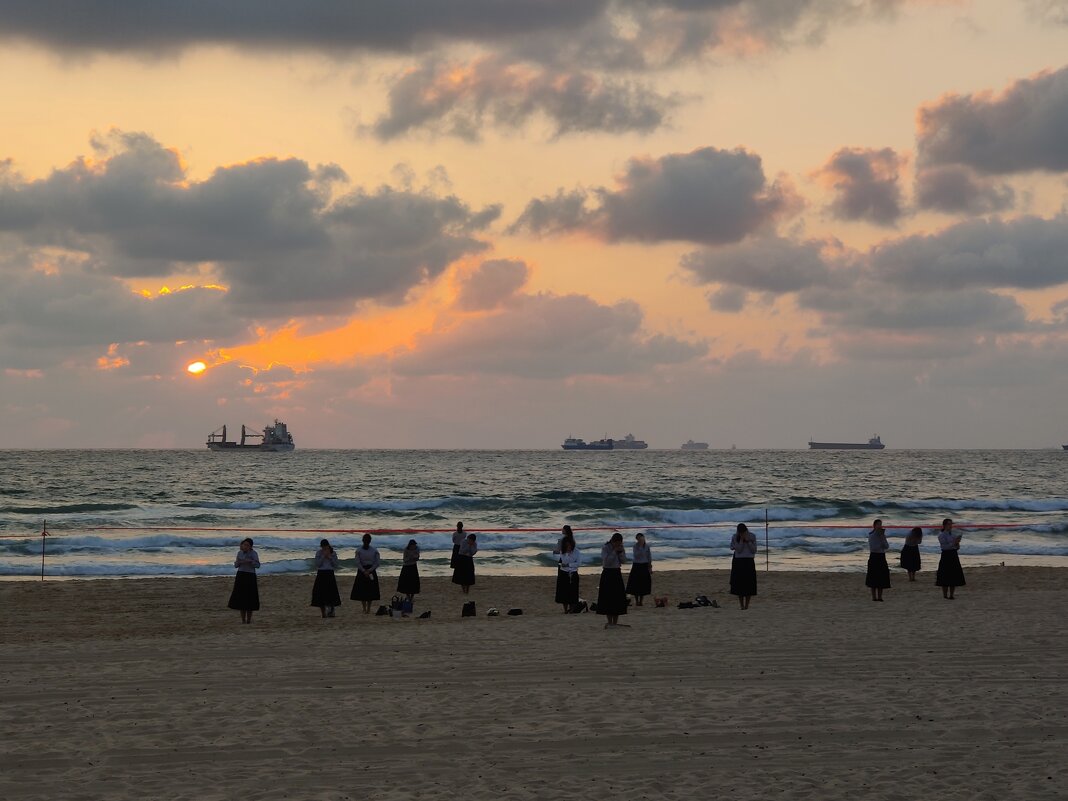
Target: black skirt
455 553
910 558
567 587
743 577
611 594
950 573
464 572
365 588
640 580
408 581
246 595
324 591
878 577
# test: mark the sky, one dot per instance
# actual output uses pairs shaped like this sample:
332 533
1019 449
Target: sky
499 223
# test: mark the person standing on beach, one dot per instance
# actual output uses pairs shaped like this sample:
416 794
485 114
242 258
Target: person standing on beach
640 580
245 595
458 537
950 574
743 565
464 572
910 552
324 591
408 582
365 588
567 576
611 594
878 577
561 578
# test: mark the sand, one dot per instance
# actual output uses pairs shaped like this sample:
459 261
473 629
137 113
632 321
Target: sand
152 689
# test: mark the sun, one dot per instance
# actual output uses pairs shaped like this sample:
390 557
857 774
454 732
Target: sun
196 368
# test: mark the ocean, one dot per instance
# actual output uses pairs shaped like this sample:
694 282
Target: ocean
112 513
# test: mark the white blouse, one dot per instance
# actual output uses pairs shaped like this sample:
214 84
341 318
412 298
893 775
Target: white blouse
368 558
877 541
569 562
744 547
948 540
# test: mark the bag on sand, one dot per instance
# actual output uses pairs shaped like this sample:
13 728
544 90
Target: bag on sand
425 615
581 606
407 607
468 610
686 605
381 611
514 612
396 603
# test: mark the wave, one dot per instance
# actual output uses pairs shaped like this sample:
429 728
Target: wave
733 515
241 505
75 508
977 504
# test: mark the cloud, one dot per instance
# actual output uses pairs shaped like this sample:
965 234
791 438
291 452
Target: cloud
956 189
48 317
727 299
1024 253
547 336
771 264
490 284
1024 128
399 25
865 183
277 232
708 196
460 99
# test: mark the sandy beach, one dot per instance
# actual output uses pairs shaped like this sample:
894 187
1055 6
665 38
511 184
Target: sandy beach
151 688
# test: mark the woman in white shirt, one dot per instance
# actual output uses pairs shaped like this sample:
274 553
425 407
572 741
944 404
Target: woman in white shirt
365 588
743 565
878 577
245 596
567 576
611 594
950 574
910 552
408 581
464 572
324 591
640 580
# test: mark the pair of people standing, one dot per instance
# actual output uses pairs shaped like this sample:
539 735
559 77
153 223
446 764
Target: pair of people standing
464 548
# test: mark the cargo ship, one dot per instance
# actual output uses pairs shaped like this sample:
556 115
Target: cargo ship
274 438
690 445
873 444
628 443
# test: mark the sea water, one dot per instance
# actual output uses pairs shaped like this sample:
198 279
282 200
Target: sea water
182 513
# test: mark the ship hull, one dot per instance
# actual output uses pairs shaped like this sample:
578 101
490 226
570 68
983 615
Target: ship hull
588 447
226 447
844 446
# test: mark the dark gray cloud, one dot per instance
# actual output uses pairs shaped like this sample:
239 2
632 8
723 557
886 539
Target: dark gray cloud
771 264
397 25
1023 253
870 307
279 233
491 283
865 184
548 336
729 299
599 34
48 314
460 99
1024 128
708 196
957 189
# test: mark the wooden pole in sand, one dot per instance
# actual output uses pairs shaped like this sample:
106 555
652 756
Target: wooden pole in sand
44 533
767 556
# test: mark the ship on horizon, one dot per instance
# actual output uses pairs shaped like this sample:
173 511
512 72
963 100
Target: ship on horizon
628 443
873 444
690 445
275 438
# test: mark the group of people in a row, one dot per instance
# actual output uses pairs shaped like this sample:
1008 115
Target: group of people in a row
949 576
612 592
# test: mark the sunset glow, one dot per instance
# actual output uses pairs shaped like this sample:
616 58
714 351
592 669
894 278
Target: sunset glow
734 221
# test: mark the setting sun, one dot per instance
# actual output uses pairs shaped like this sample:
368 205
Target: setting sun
197 367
